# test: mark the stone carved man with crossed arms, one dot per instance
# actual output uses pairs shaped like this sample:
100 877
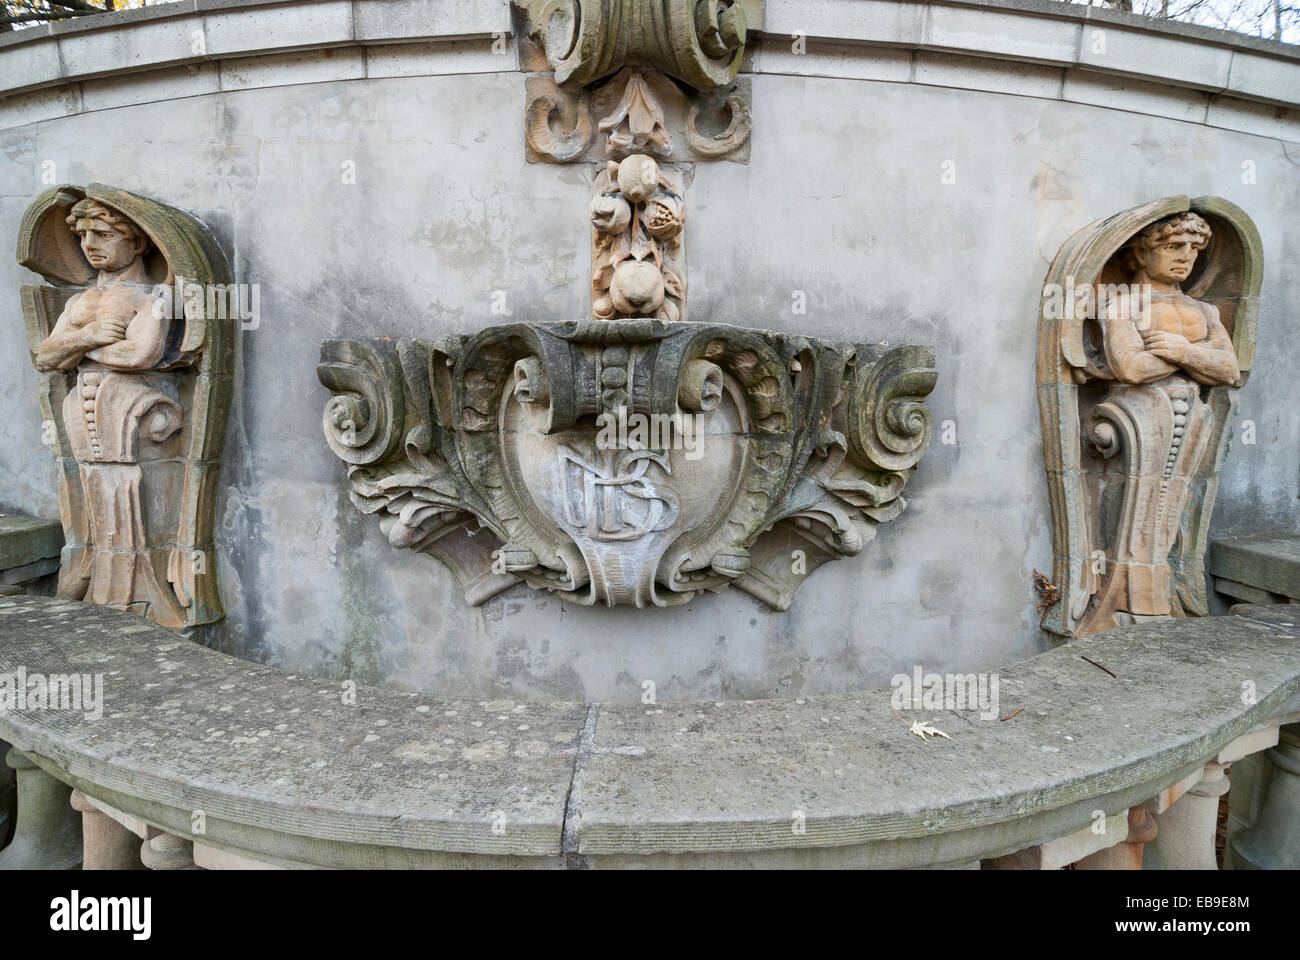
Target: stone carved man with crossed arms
117 415
1160 356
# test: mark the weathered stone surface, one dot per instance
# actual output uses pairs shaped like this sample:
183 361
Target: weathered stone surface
700 44
47 831
28 540
311 584
724 777
1128 853
759 456
630 457
8 797
1267 562
636 110
285 772
106 844
259 750
1271 842
614 66
1092 840
132 310
1137 384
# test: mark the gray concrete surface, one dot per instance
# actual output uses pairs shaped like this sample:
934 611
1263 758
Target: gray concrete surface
843 199
1263 562
283 768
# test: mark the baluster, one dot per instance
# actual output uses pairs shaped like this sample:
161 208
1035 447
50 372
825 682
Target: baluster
106 844
47 833
165 851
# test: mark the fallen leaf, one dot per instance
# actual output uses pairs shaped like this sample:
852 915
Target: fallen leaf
1048 591
922 730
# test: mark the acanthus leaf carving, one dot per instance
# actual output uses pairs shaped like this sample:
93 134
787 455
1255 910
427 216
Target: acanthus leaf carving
720 453
637 122
641 73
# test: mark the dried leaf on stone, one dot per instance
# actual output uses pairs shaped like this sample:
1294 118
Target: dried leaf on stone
1048 591
924 730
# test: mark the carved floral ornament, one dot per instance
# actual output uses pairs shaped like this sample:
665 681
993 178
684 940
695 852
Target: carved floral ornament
631 457
634 456
608 78
628 461
1147 331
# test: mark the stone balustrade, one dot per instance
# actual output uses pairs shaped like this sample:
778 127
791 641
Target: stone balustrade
196 759
29 550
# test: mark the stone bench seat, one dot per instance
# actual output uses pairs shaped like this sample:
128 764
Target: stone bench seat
29 549
1259 568
282 769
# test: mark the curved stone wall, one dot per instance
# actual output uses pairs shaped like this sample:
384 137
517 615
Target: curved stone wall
913 171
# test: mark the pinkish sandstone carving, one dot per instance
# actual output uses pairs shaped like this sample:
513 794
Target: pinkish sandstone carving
138 430
637 256
1148 329
609 78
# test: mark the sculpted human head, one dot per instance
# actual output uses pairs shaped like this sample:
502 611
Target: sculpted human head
110 241
1166 251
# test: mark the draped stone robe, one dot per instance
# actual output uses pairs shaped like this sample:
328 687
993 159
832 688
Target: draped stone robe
108 416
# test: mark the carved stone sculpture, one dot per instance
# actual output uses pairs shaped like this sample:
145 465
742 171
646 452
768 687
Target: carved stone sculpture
637 253
635 456
632 457
628 461
135 389
608 78
1147 330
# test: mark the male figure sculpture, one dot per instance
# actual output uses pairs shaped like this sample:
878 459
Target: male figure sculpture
1160 357
117 416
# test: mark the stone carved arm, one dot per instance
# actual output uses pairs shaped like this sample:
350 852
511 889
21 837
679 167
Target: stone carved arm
1147 356
143 345
1128 355
66 344
1212 362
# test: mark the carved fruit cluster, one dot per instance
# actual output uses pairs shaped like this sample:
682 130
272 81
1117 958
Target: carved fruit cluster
638 219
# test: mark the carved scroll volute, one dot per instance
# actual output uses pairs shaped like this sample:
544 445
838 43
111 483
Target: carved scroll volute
643 72
539 448
1095 418
522 365
364 418
889 422
700 42
539 118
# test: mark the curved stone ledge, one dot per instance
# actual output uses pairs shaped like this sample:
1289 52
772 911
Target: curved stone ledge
1032 48
849 764
1058 34
286 772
